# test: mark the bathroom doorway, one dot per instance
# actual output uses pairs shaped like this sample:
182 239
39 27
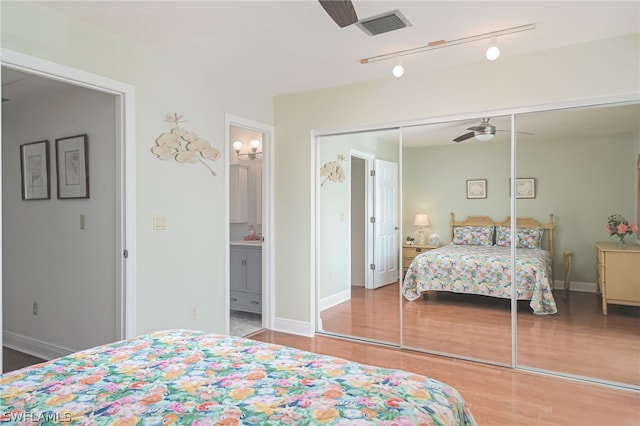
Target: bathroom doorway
249 242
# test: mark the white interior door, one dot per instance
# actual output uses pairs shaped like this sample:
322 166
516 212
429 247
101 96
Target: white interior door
386 223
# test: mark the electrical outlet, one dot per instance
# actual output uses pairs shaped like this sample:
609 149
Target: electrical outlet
193 313
35 308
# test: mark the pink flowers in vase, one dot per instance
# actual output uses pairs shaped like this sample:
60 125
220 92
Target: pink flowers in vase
620 227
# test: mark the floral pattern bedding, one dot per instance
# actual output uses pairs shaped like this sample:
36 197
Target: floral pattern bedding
485 271
186 377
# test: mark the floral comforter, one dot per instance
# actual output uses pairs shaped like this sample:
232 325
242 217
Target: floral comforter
486 271
191 378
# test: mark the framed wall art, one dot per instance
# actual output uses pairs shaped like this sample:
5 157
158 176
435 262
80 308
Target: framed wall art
34 167
525 188
477 188
72 167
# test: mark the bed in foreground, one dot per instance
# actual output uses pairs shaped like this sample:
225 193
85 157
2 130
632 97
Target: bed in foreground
193 378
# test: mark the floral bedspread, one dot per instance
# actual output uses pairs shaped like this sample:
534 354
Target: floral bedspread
485 271
186 377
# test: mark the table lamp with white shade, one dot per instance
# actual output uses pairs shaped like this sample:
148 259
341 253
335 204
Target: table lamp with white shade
421 220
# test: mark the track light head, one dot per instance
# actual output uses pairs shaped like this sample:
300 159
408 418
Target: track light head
398 69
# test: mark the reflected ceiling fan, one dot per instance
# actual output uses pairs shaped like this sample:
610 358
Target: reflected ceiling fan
483 131
342 12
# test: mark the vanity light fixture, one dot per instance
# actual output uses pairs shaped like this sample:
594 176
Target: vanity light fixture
421 220
253 146
439 44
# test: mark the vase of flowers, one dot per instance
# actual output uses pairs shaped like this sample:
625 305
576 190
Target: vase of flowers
620 227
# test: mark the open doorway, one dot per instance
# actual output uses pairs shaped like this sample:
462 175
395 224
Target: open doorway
248 145
107 114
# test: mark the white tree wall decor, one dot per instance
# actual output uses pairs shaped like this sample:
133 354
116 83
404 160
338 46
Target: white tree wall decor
184 146
333 171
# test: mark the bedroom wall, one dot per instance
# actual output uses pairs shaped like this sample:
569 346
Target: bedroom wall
595 168
566 74
47 258
183 267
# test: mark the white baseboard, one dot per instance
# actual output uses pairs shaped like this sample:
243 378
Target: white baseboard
300 328
577 286
34 347
335 299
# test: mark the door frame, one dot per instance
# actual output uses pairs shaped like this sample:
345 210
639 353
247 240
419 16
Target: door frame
268 245
125 171
369 212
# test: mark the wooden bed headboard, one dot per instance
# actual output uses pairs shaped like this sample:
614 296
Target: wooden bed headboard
521 222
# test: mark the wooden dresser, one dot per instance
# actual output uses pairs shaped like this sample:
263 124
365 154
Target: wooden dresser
618 274
411 251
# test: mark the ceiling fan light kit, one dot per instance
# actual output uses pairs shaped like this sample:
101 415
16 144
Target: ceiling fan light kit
483 136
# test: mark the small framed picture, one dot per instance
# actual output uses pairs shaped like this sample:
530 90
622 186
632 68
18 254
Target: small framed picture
34 166
477 188
525 188
72 166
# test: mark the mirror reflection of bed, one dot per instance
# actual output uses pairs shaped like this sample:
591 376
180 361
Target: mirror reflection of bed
577 156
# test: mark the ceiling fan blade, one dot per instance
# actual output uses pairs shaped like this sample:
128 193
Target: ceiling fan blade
464 137
342 12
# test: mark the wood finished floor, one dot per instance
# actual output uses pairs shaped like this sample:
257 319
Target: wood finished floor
498 396
13 360
578 340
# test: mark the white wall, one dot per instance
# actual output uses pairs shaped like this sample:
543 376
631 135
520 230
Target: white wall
183 267
566 74
47 258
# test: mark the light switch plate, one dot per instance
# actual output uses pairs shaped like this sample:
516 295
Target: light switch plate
159 223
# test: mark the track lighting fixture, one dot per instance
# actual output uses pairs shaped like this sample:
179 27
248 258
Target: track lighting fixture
398 69
253 146
439 44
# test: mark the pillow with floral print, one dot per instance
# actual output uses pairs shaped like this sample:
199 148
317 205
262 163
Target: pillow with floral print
473 235
527 237
503 236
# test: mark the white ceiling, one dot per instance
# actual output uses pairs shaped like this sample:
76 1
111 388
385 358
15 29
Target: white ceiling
291 46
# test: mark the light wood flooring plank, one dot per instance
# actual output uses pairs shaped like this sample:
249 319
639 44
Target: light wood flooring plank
497 396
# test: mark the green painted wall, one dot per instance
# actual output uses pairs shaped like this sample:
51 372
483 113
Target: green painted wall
581 181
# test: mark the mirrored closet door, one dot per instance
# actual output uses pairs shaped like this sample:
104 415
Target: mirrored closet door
457 174
357 198
577 308
581 165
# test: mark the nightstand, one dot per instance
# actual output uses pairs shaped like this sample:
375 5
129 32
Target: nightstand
411 251
618 274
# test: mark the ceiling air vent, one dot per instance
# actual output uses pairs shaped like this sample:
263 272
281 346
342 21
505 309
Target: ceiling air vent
384 23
